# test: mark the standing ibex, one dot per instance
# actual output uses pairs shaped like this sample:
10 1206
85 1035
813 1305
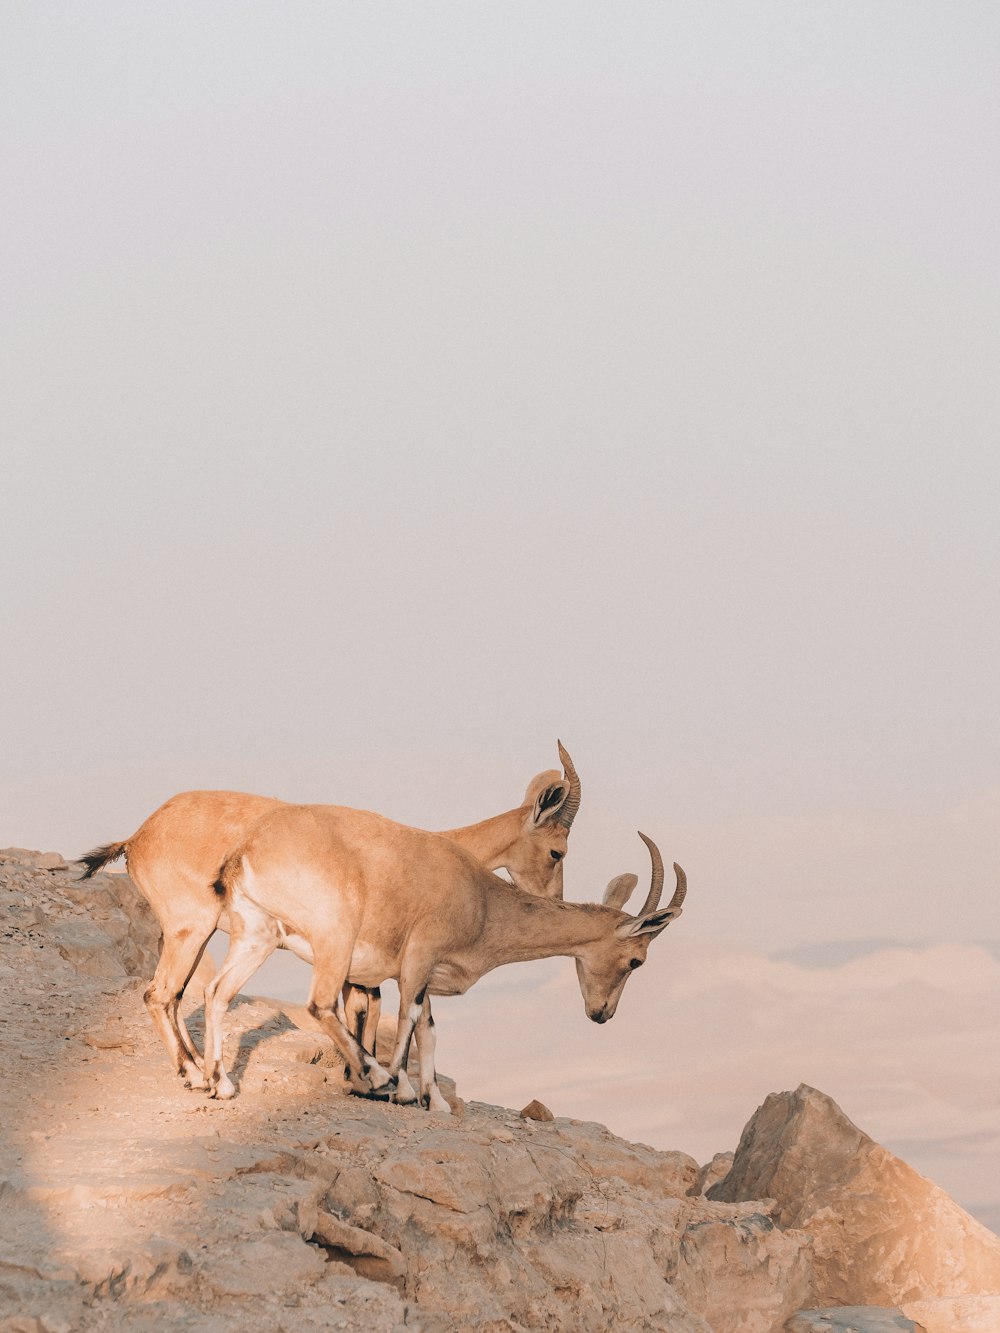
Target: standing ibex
377 900
174 859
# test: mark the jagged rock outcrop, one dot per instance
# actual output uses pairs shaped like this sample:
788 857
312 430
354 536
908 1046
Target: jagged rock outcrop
740 1271
127 1203
883 1234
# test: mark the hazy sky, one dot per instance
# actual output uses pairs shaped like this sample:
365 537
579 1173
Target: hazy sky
389 390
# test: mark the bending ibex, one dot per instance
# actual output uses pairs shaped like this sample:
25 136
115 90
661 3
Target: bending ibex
377 900
175 857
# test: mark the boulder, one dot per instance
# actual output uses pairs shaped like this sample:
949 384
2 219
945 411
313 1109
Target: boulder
33 860
742 1274
368 1255
852 1319
712 1172
536 1110
884 1235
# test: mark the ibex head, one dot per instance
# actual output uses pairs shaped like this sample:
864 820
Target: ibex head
604 966
550 804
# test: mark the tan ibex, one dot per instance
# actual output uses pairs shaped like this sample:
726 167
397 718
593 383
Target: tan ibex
377 900
176 855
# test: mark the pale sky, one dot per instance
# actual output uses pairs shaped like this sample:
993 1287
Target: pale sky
389 390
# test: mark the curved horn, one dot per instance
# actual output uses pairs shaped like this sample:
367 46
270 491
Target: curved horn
680 891
656 878
572 802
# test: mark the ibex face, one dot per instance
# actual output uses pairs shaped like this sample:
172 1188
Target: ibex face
603 974
534 863
604 967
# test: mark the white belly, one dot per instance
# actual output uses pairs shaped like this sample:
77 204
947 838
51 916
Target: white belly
371 966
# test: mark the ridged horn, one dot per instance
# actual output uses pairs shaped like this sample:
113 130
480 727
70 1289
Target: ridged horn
681 890
656 878
572 802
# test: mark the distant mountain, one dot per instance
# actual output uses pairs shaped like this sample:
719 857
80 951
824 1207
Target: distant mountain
834 953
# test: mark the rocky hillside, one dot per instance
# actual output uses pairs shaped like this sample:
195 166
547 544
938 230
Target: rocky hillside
126 1202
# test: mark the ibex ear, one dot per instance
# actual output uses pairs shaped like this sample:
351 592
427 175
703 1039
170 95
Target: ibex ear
619 891
650 925
546 795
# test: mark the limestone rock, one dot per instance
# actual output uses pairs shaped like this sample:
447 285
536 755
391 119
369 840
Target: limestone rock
50 861
277 1262
112 905
884 1235
24 856
366 1254
852 1319
958 1314
536 1110
742 1274
714 1171
109 1036
152 1266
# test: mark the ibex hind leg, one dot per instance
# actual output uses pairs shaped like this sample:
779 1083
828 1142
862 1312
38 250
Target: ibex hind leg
251 942
180 955
369 1034
357 1003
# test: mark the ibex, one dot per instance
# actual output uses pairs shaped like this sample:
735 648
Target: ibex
175 856
377 900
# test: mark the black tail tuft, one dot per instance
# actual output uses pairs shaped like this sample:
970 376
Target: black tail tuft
227 871
100 857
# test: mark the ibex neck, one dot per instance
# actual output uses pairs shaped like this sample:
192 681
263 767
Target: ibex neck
520 927
490 839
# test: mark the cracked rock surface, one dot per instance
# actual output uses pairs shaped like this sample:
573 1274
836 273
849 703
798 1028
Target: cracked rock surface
127 1202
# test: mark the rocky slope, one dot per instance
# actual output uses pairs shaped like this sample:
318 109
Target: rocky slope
128 1203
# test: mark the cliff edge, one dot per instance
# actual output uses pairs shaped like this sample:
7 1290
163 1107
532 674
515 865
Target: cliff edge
128 1203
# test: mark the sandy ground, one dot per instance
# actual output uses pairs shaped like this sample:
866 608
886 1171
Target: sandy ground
111 1173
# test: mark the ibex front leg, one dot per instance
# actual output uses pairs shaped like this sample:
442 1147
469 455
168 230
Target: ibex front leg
329 974
412 998
430 1094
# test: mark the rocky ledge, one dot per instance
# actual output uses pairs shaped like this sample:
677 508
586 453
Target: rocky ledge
126 1203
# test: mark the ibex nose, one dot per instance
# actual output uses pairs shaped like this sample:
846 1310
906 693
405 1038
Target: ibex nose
600 1016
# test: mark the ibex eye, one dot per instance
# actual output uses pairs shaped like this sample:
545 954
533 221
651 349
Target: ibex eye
636 962
557 856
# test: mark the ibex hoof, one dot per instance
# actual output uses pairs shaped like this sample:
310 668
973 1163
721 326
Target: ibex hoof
433 1101
405 1094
